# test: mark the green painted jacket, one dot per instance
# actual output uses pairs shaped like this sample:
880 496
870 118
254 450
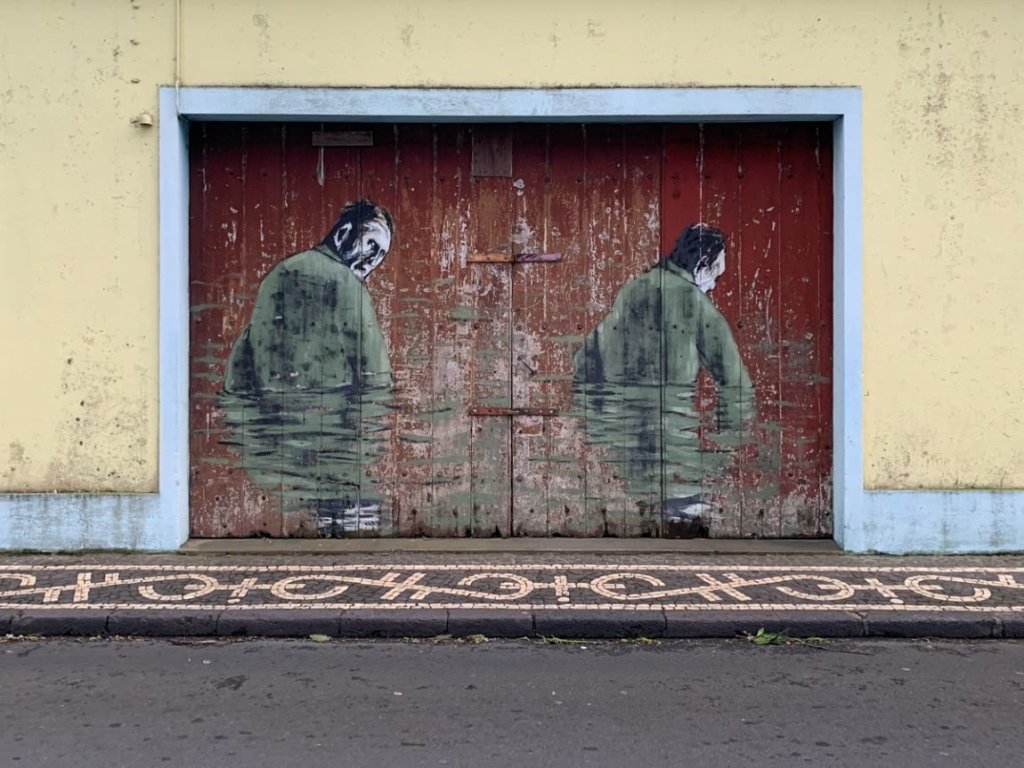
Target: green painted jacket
635 383
661 329
313 328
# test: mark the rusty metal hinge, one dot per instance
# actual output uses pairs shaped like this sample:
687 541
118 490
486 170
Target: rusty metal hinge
491 411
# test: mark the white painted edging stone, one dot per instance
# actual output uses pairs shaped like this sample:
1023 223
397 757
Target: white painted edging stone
865 521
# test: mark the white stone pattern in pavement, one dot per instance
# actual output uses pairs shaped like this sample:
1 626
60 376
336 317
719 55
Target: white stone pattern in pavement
520 587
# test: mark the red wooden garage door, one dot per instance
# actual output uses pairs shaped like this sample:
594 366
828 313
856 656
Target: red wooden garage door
515 330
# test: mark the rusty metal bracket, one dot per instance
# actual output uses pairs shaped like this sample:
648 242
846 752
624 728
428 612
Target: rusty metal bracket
504 257
491 411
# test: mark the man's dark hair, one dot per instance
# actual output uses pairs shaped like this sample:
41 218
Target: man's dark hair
349 226
697 247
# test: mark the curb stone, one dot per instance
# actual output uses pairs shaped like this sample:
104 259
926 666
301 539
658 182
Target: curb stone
372 622
725 624
721 624
509 624
490 623
278 623
923 624
599 624
1011 625
162 623
58 623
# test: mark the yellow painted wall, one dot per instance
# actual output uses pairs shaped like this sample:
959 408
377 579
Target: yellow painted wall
943 101
78 243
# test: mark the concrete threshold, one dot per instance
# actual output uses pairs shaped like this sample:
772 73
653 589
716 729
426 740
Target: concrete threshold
603 546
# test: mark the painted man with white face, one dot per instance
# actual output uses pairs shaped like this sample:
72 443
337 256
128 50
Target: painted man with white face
313 325
637 373
308 381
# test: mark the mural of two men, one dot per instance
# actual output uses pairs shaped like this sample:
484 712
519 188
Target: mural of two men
308 381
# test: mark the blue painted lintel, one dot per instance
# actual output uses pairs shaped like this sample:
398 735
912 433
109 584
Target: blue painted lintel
504 104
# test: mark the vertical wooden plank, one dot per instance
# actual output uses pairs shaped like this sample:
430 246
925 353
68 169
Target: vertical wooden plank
207 486
530 444
339 505
309 501
300 444
824 335
380 483
261 250
412 343
612 498
799 366
454 294
642 149
490 367
758 462
681 195
567 319
202 520
680 181
224 265
721 207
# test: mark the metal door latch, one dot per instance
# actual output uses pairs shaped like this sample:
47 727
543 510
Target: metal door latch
506 257
527 411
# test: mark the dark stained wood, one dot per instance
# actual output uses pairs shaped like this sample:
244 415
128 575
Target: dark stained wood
490 369
492 151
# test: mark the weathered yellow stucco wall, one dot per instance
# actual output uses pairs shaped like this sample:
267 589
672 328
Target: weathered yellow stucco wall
943 100
78 243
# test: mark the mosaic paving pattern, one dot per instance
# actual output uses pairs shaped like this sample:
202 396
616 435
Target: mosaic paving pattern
623 586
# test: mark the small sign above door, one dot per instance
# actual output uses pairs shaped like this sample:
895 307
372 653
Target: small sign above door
342 138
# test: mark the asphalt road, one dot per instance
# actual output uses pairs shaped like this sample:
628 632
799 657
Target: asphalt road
299 703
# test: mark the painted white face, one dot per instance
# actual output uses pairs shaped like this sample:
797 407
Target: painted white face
707 277
370 249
